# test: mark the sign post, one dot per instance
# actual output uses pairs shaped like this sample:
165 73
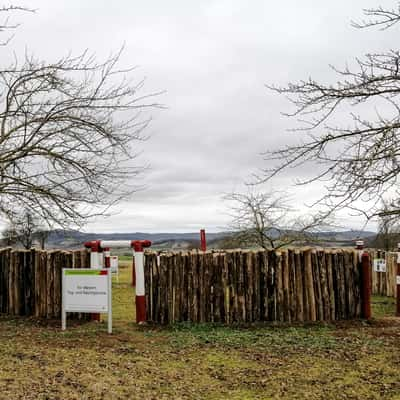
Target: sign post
88 291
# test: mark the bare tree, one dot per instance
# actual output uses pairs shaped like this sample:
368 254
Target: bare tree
388 228
359 161
67 132
21 230
9 236
41 235
266 219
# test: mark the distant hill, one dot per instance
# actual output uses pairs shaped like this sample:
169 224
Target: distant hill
75 239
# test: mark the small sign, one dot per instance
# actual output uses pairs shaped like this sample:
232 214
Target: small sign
398 280
379 265
114 264
88 291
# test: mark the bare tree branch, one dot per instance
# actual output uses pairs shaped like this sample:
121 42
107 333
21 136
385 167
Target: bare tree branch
382 17
6 25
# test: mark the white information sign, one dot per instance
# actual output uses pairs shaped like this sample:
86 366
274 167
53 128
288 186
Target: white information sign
88 291
114 266
379 265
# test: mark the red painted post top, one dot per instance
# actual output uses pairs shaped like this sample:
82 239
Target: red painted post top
93 245
138 245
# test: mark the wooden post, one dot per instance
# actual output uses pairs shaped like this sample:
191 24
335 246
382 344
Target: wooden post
203 243
309 287
398 282
366 288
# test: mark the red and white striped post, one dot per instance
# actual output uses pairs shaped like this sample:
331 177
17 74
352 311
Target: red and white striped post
107 259
96 262
138 246
96 254
203 242
360 248
398 282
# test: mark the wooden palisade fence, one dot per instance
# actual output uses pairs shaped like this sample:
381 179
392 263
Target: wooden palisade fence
384 283
30 281
251 286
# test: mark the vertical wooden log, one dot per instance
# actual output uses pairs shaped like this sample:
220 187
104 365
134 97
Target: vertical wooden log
312 313
37 283
285 286
343 287
258 306
292 285
177 286
208 286
152 286
324 286
319 306
50 283
264 285
357 283
171 288
164 284
202 292
351 304
299 295
236 289
248 285
217 277
339 285
335 284
184 272
62 259
147 285
190 286
28 284
272 286
240 265
331 289
21 283
2 286
196 297
224 289
12 285
158 289
279 287
230 260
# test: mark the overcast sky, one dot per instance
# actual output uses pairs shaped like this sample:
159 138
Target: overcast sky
213 59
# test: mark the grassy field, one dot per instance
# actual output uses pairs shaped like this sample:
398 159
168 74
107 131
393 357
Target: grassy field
357 360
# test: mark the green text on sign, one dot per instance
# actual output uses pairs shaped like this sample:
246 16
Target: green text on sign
78 272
